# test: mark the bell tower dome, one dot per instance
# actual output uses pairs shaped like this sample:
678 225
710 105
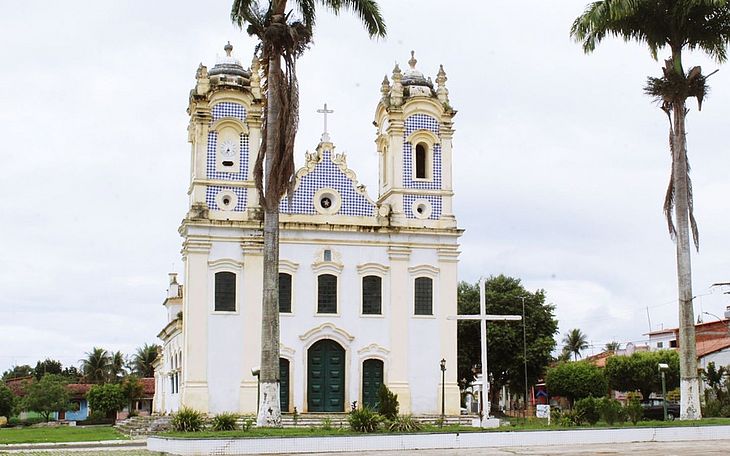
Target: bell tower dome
414 122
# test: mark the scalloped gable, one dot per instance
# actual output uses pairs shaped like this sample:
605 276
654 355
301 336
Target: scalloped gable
325 169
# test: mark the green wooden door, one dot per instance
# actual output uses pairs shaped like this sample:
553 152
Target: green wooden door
284 384
372 378
326 377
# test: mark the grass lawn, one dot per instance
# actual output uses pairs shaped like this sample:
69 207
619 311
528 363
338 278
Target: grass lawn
516 424
58 434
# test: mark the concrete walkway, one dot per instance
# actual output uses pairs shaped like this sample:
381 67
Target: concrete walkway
74 447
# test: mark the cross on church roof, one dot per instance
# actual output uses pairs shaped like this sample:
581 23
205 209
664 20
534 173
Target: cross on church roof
325 111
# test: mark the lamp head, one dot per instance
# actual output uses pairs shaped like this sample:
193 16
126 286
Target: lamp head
663 366
443 364
255 371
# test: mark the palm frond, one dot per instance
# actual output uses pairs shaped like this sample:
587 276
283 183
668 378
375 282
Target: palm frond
367 10
250 14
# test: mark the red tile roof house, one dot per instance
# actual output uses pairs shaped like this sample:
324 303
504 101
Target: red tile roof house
80 411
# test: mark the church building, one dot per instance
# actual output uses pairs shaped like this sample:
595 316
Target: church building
368 281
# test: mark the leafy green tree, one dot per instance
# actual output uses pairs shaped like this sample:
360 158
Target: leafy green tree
715 378
107 398
7 401
282 37
575 342
96 366
49 366
71 374
132 390
612 346
18 372
143 360
675 25
505 339
640 372
46 396
576 380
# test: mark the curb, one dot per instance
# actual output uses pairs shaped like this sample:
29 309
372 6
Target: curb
298 445
74 445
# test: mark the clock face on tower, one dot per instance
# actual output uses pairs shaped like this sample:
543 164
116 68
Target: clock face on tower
228 148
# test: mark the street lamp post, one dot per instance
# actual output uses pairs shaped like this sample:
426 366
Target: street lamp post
524 348
663 367
443 390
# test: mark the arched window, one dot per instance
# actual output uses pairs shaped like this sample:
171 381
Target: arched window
423 296
372 295
284 292
327 293
225 292
421 161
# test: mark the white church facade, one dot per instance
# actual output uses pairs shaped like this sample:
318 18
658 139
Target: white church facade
367 283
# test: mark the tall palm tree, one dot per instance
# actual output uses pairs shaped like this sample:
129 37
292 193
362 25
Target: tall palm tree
117 367
282 37
676 25
612 346
95 367
575 342
143 360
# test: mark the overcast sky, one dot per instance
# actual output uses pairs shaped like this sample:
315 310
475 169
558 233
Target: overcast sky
560 161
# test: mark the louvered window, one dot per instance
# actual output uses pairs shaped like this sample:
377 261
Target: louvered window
327 293
421 159
372 295
284 292
423 296
225 292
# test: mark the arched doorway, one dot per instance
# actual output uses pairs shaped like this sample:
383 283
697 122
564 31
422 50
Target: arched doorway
326 377
284 384
372 378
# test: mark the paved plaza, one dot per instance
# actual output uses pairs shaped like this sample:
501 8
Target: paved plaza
689 448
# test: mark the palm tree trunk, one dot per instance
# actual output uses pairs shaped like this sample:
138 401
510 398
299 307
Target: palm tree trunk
269 414
689 380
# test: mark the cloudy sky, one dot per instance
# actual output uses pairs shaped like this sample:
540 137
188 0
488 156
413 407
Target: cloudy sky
560 161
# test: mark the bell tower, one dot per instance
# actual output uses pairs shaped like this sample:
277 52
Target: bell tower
414 141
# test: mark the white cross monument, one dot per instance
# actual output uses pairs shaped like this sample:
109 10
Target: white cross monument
325 111
484 317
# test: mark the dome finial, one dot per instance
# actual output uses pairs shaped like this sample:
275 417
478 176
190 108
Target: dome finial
228 48
413 60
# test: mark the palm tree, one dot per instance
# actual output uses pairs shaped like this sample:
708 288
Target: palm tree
612 346
143 359
676 25
575 341
95 366
117 367
279 37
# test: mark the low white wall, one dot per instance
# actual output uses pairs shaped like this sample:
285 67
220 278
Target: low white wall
433 441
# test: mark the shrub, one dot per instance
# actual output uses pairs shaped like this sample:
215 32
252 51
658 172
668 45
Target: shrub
327 423
106 399
404 423
576 380
364 420
248 422
587 409
633 409
225 422
611 410
96 417
7 401
569 418
187 420
387 403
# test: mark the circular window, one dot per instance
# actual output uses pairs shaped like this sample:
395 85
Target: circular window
327 201
421 209
226 200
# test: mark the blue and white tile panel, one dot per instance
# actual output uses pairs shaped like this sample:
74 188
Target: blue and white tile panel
414 123
228 109
212 190
242 173
436 205
327 174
